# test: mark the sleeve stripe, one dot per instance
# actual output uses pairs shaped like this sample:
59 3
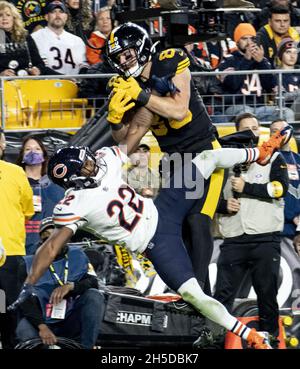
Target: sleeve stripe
181 69
62 215
183 65
116 151
186 60
66 219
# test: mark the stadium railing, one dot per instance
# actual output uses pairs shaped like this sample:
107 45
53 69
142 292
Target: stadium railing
42 102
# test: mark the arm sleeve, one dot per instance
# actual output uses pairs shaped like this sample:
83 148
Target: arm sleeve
30 308
32 311
26 195
222 207
89 281
70 212
278 185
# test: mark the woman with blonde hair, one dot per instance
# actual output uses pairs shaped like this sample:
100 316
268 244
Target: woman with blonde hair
104 25
18 52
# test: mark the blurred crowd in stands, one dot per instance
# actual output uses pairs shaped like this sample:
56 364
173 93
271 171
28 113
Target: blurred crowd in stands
67 38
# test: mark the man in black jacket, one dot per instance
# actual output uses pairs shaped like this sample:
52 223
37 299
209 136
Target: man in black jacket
67 301
251 231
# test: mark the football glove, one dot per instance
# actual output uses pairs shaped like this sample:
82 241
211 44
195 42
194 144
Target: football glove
118 105
110 83
133 89
27 290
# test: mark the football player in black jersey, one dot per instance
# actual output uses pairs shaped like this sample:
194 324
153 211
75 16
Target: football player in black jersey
155 91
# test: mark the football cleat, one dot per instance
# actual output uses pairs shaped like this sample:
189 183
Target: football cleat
276 141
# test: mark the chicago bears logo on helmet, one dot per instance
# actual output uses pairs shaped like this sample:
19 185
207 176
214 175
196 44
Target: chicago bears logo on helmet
60 170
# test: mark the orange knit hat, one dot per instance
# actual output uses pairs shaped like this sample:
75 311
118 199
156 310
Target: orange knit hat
243 29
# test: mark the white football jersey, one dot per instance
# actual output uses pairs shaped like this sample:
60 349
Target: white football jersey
64 53
112 210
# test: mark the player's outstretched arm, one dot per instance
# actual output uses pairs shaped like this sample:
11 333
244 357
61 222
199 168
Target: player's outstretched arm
47 253
41 262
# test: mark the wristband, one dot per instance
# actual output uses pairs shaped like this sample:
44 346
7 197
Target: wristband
143 98
116 127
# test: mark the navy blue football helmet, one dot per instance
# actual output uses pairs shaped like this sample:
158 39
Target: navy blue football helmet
64 168
129 36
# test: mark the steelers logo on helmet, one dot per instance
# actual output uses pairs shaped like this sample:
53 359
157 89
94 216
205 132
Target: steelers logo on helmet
131 43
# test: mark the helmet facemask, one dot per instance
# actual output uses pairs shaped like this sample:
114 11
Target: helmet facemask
129 38
93 179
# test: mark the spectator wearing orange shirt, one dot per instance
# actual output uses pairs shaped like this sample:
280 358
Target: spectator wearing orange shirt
98 37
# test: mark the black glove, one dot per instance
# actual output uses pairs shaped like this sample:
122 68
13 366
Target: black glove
27 290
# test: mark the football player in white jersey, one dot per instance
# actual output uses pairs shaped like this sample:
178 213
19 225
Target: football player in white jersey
60 50
99 201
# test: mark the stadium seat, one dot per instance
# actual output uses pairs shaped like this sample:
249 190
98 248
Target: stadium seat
43 104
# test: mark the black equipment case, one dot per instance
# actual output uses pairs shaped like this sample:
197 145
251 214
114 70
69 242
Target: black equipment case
131 321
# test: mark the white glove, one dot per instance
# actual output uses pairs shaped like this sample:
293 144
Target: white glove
2 253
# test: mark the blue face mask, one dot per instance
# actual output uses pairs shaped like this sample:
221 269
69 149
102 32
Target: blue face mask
33 158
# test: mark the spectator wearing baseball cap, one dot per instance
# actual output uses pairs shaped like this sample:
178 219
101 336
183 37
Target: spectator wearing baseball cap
140 176
56 5
46 228
62 50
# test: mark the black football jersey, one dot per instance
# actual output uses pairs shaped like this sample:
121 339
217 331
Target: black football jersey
196 128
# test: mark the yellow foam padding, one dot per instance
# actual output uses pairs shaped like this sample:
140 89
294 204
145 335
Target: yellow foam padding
277 189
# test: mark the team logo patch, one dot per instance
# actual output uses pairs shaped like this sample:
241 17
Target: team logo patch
60 170
32 9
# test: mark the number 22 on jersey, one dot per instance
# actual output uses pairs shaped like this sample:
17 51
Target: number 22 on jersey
117 205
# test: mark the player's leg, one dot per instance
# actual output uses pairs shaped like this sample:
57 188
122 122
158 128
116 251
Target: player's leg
171 261
198 240
209 160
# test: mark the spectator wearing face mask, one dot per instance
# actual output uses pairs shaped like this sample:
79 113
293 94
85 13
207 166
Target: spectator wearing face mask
33 158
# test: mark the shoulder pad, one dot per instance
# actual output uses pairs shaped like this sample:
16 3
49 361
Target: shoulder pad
169 62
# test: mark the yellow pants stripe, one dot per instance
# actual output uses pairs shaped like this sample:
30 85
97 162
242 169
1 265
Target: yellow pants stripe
214 190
